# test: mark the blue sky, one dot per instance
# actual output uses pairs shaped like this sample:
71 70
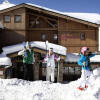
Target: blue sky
90 6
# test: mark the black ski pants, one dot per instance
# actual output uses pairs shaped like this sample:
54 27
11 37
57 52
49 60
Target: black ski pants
28 72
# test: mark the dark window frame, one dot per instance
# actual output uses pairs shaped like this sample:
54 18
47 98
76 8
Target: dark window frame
5 20
17 21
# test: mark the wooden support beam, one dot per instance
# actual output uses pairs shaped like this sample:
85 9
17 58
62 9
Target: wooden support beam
60 72
76 30
33 22
36 71
43 17
44 29
49 22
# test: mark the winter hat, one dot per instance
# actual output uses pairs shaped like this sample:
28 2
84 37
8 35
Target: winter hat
84 49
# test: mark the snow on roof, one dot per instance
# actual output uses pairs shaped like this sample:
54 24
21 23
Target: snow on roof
56 48
5 60
74 57
15 48
90 17
45 8
71 57
6 4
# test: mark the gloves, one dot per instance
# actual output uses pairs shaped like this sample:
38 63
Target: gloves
83 64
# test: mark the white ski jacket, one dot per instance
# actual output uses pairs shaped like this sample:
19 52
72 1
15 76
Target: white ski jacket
50 60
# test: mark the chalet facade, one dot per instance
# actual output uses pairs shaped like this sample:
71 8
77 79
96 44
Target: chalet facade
27 22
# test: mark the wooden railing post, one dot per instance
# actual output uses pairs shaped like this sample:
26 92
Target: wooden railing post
36 71
60 72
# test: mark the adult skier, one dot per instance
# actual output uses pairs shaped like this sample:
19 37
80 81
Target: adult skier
28 61
50 59
84 61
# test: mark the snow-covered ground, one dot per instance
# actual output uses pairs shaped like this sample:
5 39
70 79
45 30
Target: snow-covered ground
17 89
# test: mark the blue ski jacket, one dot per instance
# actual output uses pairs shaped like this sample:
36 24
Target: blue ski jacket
85 59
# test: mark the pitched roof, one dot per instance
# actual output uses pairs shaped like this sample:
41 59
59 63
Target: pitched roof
90 17
86 18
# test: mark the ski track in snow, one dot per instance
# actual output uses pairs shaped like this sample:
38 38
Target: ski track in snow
17 89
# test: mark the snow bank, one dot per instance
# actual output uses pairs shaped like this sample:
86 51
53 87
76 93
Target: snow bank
96 72
17 89
95 58
5 60
15 48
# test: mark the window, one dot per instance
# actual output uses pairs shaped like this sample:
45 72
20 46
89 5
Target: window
17 18
7 18
43 37
55 37
82 36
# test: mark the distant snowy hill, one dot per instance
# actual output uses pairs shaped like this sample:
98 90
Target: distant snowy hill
16 89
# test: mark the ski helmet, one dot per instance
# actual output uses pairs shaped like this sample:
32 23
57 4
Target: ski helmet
84 49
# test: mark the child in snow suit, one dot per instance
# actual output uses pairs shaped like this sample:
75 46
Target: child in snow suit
50 59
28 61
84 61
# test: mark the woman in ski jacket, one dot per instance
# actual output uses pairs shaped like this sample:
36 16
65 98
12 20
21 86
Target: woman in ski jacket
50 60
84 62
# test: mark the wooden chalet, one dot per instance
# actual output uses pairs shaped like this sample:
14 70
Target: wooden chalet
26 22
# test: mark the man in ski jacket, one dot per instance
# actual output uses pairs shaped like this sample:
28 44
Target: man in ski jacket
84 62
28 61
50 60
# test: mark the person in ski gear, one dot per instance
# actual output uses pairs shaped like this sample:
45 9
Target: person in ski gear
28 61
50 60
84 61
